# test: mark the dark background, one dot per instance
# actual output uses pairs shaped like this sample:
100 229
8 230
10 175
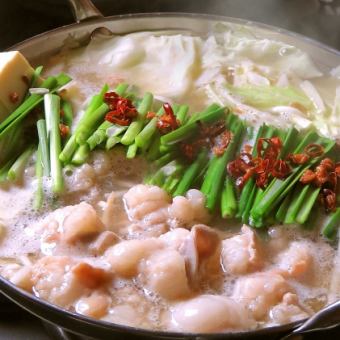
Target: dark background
20 19
319 19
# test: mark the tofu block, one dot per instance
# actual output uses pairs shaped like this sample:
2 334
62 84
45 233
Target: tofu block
3 112
15 76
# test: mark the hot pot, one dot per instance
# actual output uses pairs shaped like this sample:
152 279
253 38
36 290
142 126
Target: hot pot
89 19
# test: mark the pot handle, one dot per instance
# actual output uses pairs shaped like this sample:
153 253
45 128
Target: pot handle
84 10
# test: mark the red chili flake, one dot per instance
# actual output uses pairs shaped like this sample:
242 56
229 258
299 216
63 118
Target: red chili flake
298 158
337 169
324 176
333 181
263 167
273 148
222 142
188 150
25 80
122 110
308 177
167 122
248 148
64 130
314 150
280 169
150 115
62 113
211 131
328 199
328 164
321 174
14 97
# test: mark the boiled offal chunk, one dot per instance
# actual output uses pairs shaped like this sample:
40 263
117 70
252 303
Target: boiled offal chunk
209 313
151 207
242 253
260 292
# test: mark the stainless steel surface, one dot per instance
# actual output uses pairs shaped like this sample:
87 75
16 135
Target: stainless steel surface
84 10
326 318
50 42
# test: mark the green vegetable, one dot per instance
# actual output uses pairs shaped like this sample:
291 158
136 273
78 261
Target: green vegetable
89 124
228 199
165 158
136 126
153 152
267 96
44 152
81 155
34 79
132 151
268 132
192 127
191 173
332 225
247 191
16 171
112 141
215 174
282 211
182 114
71 145
68 112
4 170
148 131
275 193
298 198
306 208
53 116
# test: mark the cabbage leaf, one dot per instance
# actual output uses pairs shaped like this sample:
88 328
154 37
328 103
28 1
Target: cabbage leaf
268 96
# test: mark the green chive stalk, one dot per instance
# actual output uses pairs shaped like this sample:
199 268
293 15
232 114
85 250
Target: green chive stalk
53 116
332 225
247 192
4 170
81 155
276 193
191 173
68 112
112 141
268 132
228 199
191 127
132 151
148 131
216 174
44 152
71 145
16 171
136 126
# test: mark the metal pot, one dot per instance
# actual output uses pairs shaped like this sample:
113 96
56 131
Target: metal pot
88 19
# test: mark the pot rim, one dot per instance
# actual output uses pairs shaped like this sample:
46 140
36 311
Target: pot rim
202 16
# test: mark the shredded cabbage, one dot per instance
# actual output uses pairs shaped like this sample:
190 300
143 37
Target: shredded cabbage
267 96
231 44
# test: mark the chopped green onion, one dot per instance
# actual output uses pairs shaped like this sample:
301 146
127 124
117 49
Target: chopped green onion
16 171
